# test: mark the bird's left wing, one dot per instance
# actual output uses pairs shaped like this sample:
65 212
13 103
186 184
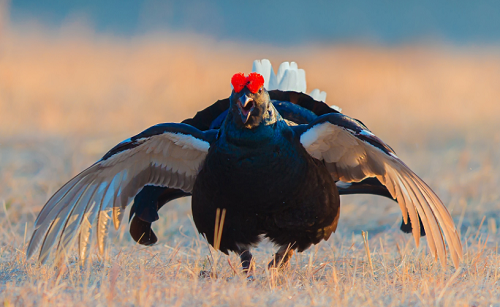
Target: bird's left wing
352 153
164 155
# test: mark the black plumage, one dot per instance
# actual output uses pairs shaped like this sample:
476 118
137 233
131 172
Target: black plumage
295 108
269 176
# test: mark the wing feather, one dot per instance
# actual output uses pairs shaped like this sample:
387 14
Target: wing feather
404 190
93 215
103 216
432 235
54 200
86 232
75 217
352 154
164 155
58 223
117 211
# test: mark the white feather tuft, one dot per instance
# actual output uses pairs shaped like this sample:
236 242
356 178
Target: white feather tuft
289 78
318 95
336 108
281 71
302 85
265 68
290 81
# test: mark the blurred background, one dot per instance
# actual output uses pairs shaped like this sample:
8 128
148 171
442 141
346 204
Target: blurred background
77 77
116 67
278 23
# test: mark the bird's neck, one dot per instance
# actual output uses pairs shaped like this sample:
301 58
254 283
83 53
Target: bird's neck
269 128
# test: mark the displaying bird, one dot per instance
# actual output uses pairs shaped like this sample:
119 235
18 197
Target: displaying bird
268 176
287 93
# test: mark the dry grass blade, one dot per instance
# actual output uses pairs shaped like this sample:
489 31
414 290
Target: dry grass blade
219 225
367 249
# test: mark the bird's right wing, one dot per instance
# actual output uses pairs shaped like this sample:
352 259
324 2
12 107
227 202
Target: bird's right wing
167 155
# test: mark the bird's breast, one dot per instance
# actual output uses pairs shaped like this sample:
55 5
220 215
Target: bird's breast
260 176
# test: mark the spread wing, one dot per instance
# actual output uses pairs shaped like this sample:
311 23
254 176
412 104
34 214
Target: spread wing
352 153
163 155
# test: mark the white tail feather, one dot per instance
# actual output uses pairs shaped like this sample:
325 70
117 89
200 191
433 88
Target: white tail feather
290 81
289 78
281 71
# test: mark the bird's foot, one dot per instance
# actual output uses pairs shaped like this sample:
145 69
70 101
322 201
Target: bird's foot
281 258
247 263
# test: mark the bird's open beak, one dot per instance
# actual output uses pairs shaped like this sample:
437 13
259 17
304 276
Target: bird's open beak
246 105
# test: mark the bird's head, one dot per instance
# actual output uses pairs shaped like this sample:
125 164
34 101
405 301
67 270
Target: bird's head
250 102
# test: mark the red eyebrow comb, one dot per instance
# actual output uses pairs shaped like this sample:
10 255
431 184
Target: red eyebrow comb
253 82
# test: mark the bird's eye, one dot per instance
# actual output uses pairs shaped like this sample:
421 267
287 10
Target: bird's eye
260 90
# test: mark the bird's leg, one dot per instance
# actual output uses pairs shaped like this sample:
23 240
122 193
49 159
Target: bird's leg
246 260
281 258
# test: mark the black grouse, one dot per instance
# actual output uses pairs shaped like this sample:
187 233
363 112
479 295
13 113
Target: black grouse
266 175
295 108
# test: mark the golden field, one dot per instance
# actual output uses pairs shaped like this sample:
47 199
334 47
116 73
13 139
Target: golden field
68 96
